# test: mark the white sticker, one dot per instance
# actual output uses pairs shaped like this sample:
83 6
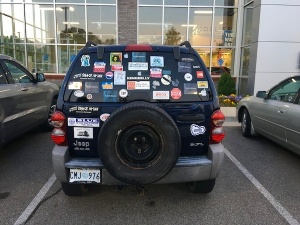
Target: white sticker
75 85
126 55
144 85
104 116
203 92
120 78
84 122
79 93
196 130
166 79
89 96
188 77
123 93
161 95
137 66
83 132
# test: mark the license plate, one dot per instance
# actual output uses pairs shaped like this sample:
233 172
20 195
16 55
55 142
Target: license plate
85 175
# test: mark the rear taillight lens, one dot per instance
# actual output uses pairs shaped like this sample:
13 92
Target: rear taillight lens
217 131
58 135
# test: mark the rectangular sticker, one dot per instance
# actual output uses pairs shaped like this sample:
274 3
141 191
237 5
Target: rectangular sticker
116 68
115 58
91 87
185 67
83 122
75 85
83 132
99 67
157 61
138 56
107 85
83 109
199 74
190 88
110 96
156 72
202 84
142 85
161 95
120 77
137 66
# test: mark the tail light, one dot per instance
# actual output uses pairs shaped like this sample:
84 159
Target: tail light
58 135
217 131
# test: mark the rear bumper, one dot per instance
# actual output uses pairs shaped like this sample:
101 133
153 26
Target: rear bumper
187 169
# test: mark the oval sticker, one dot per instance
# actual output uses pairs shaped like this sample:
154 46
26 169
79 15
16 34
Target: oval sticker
104 116
79 93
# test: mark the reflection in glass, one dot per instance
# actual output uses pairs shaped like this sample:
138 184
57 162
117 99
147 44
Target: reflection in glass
204 54
71 24
227 3
222 61
175 25
224 27
247 28
66 55
199 26
201 3
151 2
243 83
245 61
41 58
176 2
102 24
150 27
101 1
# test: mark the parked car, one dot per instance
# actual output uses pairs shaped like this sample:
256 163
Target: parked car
135 115
219 70
26 100
274 114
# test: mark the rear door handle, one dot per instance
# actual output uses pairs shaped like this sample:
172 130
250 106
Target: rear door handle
24 89
279 111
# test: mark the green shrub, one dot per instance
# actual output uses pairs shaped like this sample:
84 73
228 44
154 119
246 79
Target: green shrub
226 85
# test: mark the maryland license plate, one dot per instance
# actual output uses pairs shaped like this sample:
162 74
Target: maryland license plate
85 175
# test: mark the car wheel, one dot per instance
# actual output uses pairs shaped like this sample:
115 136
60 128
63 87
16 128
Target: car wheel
246 124
139 143
73 189
204 186
47 126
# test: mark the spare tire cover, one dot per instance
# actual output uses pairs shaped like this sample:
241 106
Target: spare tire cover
139 143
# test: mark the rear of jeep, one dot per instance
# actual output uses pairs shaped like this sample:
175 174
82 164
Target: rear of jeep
137 115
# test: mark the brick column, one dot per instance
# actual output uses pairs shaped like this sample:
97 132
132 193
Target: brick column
127 21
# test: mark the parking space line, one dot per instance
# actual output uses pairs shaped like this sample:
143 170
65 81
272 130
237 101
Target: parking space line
283 212
34 203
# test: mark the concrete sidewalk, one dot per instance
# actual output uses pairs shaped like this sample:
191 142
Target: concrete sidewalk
230 116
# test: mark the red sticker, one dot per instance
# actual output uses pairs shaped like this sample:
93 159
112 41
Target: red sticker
199 74
176 93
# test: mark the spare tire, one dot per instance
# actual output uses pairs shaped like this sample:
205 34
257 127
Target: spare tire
139 143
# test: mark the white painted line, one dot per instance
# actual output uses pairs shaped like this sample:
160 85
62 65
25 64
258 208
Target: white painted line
34 203
283 212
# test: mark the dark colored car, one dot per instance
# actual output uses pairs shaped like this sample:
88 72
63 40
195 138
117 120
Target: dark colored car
219 70
135 115
274 114
26 100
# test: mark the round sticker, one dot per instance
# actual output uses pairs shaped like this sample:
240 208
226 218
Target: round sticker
188 77
176 93
166 79
123 93
104 116
89 96
109 75
79 93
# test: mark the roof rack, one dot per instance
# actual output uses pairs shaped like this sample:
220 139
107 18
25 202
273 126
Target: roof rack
90 44
186 44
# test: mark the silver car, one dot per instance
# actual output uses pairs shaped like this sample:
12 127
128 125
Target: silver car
26 100
274 114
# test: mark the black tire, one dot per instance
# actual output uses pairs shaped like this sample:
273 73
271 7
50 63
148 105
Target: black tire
246 124
73 189
139 143
47 126
204 186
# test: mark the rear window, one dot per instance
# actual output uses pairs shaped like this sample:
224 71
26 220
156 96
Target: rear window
129 76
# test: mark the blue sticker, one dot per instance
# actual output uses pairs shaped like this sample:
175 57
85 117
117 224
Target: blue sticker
138 56
185 67
85 60
157 61
91 87
190 88
110 96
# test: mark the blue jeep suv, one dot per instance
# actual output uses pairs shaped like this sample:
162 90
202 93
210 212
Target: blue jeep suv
136 115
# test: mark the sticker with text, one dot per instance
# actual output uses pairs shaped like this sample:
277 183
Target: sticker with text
83 132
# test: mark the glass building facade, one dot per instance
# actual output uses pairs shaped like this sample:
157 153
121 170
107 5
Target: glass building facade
45 35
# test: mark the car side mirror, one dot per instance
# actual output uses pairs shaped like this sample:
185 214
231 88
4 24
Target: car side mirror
40 77
261 94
